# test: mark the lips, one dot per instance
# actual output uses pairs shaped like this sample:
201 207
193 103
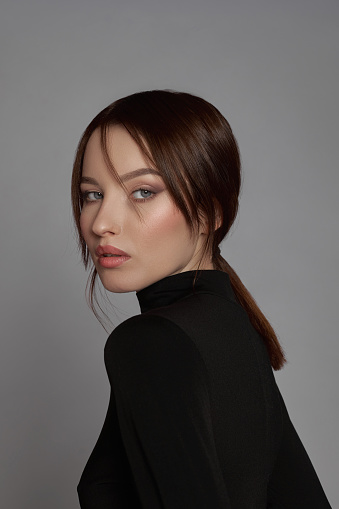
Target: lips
110 257
109 250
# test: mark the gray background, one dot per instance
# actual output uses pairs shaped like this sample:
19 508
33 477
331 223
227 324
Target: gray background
272 68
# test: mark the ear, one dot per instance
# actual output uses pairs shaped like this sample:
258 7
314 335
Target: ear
218 214
203 223
203 228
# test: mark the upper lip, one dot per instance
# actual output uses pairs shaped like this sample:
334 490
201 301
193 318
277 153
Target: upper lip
102 250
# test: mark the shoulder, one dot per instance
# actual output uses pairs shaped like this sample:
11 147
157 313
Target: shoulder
152 346
147 331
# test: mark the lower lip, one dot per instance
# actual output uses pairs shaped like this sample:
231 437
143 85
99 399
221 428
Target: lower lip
109 262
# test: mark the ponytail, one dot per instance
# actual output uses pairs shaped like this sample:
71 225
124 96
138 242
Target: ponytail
257 318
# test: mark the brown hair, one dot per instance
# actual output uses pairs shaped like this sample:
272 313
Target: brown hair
193 146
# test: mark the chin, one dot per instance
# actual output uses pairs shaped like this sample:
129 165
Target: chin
115 287
120 283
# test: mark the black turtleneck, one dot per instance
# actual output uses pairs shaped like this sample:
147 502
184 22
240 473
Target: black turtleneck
195 418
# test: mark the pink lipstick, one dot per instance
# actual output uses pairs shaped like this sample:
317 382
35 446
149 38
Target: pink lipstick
110 256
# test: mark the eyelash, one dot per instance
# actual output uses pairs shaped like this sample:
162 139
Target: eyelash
85 195
140 200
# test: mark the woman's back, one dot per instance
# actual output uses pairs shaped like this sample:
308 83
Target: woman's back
201 418
244 401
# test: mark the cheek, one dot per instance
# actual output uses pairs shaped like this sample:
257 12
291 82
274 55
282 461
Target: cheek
167 227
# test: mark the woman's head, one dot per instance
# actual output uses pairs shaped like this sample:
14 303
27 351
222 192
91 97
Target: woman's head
170 218
188 206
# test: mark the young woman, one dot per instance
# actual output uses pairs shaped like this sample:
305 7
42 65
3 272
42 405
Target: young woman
195 418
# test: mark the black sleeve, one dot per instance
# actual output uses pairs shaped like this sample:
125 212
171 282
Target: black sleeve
106 481
160 384
294 482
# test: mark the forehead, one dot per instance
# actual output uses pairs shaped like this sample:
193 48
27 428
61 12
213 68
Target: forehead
124 153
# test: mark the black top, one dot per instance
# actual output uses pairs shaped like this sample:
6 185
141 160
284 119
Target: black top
195 419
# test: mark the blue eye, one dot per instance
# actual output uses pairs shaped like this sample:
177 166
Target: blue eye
143 194
91 196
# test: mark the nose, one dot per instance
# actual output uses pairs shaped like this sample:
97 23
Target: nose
108 220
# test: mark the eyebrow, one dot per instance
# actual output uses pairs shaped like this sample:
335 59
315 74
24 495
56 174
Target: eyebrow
126 176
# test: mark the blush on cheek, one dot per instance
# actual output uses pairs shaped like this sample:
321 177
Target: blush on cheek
167 226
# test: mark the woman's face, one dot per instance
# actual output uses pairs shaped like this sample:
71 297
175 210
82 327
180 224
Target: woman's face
157 242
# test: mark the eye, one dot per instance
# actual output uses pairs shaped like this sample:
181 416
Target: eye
91 196
143 194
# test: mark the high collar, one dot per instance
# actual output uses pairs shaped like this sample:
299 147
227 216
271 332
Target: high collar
173 288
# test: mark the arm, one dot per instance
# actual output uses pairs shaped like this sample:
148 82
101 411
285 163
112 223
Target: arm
160 385
106 481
